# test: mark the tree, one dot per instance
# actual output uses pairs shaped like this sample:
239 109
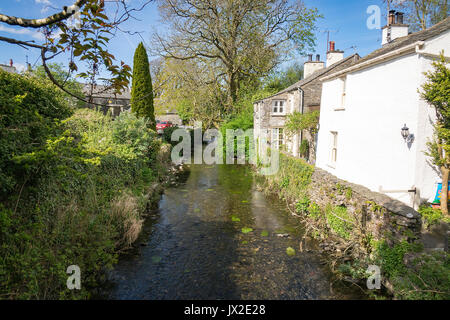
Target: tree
281 80
421 14
141 90
297 122
63 77
241 39
81 32
436 91
190 88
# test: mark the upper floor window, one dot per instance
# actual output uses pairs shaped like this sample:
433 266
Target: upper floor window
278 107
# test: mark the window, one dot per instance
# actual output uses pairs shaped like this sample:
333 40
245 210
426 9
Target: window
277 138
344 91
278 107
333 151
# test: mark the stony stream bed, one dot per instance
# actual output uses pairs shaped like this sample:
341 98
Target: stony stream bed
215 236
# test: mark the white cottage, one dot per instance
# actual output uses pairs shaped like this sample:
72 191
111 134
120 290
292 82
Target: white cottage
365 107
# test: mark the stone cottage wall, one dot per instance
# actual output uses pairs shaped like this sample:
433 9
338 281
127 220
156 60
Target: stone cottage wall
381 216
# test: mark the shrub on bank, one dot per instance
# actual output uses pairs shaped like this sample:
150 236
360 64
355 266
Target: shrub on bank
167 135
293 178
29 109
432 217
77 196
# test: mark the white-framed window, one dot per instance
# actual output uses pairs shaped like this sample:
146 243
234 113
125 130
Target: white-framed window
333 148
277 138
344 91
279 107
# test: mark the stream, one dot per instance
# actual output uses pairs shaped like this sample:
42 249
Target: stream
215 236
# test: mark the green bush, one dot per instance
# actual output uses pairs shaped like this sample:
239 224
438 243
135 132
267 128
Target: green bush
298 173
425 277
304 149
314 211
339 221
242 121
428 278
30 110
167 135
431 217
90 177
303 205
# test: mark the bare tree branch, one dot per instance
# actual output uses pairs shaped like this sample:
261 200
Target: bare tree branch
38 23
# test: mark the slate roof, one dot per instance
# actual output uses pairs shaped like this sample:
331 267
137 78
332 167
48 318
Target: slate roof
399 43
314 76
100 92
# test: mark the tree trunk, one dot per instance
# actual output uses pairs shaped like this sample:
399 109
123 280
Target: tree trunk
444 194
232 89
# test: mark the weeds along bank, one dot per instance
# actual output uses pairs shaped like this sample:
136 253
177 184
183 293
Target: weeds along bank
74 187
358 228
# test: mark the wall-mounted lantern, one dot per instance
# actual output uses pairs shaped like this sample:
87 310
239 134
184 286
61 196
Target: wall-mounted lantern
409 138
405 132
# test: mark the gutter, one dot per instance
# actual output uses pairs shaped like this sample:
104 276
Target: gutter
414 47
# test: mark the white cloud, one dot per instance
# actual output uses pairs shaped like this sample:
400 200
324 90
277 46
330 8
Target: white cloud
47 4
34 34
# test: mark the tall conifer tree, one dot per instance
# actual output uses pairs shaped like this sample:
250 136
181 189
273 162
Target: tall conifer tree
142 90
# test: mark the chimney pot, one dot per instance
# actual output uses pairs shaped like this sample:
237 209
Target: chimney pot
391 19
399 17
310 57
11 63
332 46
318 58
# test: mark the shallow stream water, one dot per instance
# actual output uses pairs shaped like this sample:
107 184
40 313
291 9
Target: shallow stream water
215 236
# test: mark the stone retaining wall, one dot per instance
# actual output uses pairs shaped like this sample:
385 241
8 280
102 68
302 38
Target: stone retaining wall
378 214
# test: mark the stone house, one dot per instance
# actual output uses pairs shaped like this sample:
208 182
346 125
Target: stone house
270 114
114 103
374 126
8 68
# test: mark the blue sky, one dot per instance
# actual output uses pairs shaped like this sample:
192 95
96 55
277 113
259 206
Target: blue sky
346 18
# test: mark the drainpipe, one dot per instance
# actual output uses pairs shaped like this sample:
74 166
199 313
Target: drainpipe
302 109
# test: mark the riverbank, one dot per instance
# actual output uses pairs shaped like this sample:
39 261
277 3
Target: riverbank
75 189
358 228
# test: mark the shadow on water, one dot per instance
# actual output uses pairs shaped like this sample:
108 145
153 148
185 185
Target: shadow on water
216 237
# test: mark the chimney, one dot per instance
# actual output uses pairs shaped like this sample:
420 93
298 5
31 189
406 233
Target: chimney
395 28
391 18
11 63
312 66
399 17
334 56
332 46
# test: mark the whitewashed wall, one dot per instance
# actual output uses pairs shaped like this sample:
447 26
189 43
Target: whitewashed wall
371 150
